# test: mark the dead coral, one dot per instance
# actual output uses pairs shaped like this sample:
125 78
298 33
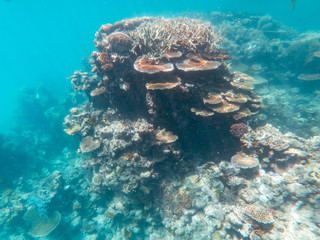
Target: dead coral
81 81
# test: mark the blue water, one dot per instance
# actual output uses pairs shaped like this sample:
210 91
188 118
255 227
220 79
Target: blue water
42 42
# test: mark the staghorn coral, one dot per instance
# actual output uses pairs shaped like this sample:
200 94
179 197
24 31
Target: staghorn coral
159 35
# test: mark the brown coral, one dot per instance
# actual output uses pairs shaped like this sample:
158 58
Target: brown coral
196 63
213 99
243 113
161 86
242 81
166 137
146 65
236 98
169 54
239 129
202 113
104 61
119 42
98 91
242 85
226 107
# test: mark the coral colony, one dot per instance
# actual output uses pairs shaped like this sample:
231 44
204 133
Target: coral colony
176 144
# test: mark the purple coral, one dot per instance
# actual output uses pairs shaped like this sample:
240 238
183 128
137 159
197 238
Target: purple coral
239 129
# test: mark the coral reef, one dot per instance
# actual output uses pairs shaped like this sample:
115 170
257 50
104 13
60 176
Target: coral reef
155 81
172 142
157 105
143 64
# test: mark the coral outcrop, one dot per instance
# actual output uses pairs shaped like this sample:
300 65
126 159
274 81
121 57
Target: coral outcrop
170 72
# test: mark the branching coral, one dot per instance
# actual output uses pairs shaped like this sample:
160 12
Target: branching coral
158 35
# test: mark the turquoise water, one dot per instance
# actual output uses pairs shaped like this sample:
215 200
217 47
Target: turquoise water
134 152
